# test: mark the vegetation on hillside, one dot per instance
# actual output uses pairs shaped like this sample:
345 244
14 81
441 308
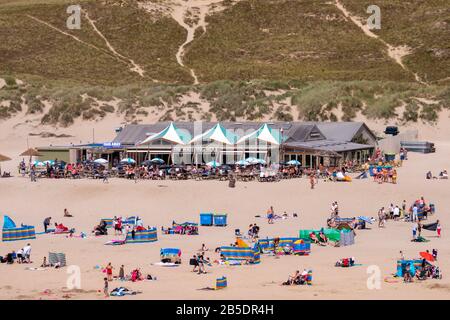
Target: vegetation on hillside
226 100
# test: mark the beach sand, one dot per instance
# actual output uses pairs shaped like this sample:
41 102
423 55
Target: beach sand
161 202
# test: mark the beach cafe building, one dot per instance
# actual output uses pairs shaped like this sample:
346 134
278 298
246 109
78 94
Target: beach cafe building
311 144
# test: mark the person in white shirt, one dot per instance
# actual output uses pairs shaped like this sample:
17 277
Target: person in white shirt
27 253
396 212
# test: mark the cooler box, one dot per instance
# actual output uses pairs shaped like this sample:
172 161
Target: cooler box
220 220
206 219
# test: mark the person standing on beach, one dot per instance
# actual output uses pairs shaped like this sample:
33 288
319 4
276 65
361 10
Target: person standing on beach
33 174
438 229
381 217
414 213
109 269
311 180
122 273
105 288
270 214
47 223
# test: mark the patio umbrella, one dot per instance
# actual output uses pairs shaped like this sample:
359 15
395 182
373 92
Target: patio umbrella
3 158
157 160
242 163
128 160
32 152
427 256
213 164
260 161
294 163
38 164
101 161
251 160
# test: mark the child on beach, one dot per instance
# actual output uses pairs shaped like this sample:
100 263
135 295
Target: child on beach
66 213
105 288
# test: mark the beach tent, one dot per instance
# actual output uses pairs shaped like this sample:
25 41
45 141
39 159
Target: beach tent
149 235
171 134
217 133
11 232
264 133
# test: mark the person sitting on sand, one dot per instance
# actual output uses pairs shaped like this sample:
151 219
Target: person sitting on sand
44 263
314 238
323 238
67 214
407 274
292 279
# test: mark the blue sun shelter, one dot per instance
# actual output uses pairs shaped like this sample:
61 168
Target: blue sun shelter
11 232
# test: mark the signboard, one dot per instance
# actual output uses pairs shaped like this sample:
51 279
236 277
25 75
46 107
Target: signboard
112 145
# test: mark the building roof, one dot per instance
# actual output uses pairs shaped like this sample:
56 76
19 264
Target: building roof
327 145
342 131
294 131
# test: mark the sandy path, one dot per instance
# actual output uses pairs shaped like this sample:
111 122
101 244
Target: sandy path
113 53
396 53
179 10
135 67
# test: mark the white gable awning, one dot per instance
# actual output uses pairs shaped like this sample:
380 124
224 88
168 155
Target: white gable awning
170 133
264 133
216 133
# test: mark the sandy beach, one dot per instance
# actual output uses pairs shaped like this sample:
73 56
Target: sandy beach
161 202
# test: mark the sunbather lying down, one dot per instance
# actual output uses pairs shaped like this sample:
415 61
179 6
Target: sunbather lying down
345 262
322 240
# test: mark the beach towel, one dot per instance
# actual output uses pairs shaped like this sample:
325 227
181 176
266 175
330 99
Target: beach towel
420 239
